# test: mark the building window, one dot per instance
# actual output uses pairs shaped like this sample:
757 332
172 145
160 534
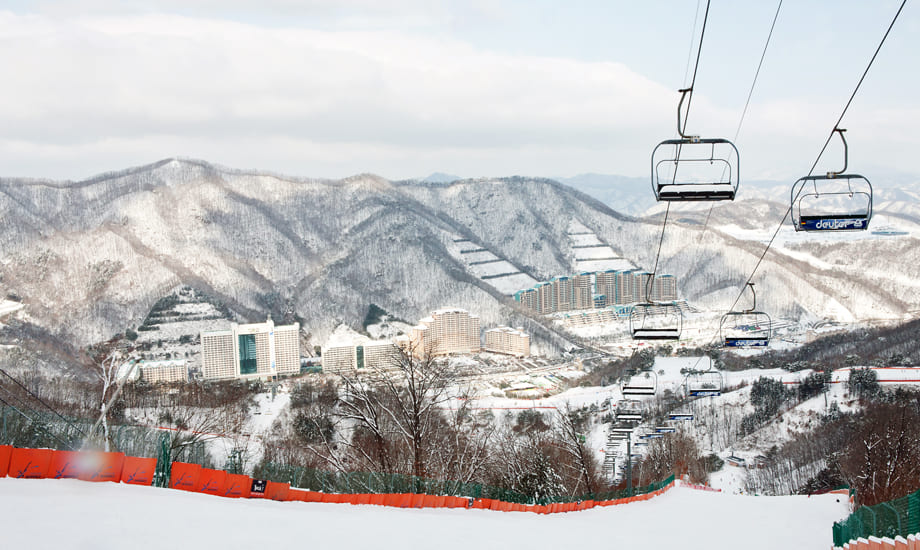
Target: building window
248 354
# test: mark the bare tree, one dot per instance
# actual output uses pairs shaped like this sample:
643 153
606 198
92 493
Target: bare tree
395 409
571 439
107 359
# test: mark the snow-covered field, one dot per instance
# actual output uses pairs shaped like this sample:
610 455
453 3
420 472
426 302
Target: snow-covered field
39 514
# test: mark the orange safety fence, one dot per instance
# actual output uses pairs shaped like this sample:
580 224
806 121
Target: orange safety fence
100 466
138 471
237 486
212 482
185 476
30 463
277 491
88 466
5 452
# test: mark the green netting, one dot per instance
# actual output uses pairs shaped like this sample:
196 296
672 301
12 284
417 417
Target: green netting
900 516
373 482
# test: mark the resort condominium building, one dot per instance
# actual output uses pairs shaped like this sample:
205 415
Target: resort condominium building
449 330
172 370
259 350
508 340
347 356
597 290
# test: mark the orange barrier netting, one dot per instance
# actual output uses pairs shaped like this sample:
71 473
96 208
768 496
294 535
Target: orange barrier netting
100 466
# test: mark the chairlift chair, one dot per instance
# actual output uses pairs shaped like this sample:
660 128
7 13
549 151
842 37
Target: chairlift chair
680 416
704 384
693 168
835 201
747 328
641 383
629 410
665 429
655 321
622 428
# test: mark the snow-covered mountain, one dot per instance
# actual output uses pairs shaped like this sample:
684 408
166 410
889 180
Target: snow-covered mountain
89 258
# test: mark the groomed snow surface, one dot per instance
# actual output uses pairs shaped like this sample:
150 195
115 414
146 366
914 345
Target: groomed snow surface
51 513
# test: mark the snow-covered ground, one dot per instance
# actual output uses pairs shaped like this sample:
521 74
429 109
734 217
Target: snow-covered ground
8 306
56 514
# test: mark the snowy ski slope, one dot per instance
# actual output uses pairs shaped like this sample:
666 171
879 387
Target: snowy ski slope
55 514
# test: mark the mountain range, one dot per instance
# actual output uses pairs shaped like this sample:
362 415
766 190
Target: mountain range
89 258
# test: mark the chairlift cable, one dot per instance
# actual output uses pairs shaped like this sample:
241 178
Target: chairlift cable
649 283
40 400
38 424
696 67
696 17
823 149
811 171
747 103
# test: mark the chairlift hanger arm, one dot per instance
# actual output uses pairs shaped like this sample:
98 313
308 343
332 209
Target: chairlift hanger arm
681 129
831 175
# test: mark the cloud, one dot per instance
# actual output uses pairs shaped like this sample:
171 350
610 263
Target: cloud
101 92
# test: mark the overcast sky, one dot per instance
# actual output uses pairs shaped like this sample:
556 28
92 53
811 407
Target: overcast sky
404 88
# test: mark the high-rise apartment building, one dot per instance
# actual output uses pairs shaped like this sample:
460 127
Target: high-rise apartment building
259 350
449 330
170 370
351 355
597 290
508 341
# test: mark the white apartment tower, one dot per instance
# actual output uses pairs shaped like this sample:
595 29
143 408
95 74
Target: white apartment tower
348 356
449 330
259 350
508 341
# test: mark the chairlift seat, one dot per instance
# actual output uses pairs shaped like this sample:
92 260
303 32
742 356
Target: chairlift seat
833 202
655 321
695 169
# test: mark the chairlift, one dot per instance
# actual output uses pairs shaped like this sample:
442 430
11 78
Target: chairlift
748 328
833 202
665 429
641 383
704 384
680 416
655 321
693 168
629 410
